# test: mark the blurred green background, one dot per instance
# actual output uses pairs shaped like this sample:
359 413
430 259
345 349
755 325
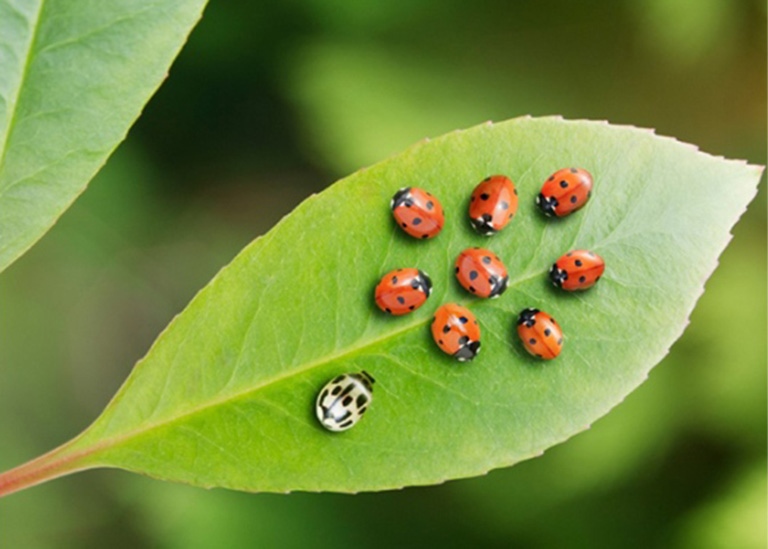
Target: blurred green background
272 101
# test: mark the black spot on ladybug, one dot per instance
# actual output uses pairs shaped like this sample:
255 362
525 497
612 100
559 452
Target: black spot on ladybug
578 262
573 199
388 310
417 220
394 280
323 395
412 307
504 205
401 300
485 196
347 400
486 259
346 423
430 205
463 340
564 184
336 390
408 203
547 332
457 270
472 289
463 319
446 329
472 275
362 398
552 178
552 320
405 224
440 341
582 279
532 341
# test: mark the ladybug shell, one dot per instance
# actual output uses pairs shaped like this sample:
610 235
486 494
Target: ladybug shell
577 270
493 204
481 273
417 212
540 334
402 291
456 331
565 191
344 400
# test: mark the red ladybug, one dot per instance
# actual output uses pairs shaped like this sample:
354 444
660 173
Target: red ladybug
565 191
456 332
493 204
417 212
481 273
577 270
401 291
540 334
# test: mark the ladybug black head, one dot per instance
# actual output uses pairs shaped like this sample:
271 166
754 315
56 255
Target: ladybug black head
484 224
557 276
498 286
424 283
366 378
467 351
402 197
546 204
527 317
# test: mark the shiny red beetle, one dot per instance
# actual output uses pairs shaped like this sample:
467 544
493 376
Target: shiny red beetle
540 334
577 270
481 273
565 191
401 291
417 212
456 332
493 204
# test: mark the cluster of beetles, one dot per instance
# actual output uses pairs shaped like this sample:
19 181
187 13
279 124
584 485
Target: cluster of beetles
493 204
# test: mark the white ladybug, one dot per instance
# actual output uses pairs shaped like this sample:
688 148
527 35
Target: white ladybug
343 400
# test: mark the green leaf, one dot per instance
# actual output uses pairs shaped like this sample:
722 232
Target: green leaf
75 75
225 396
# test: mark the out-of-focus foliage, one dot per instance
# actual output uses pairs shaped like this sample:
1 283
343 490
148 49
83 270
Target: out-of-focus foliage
255 116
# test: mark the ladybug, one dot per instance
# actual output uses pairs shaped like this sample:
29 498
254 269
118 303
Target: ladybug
481 272
417 212
565 191
493 204
456 332
540 334
577 270
344 400
402 291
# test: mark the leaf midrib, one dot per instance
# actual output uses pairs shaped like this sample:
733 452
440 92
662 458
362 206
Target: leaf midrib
22 81
117 440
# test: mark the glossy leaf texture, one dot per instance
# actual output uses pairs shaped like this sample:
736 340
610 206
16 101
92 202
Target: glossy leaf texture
225 396
73 78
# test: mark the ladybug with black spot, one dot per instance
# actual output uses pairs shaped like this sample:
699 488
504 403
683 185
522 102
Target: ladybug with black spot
344 400
540 334
417 212
456 331
564 192
481 273
493 204
577 270
403 290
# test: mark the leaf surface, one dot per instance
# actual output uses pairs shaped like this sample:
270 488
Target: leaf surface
225 397
73 78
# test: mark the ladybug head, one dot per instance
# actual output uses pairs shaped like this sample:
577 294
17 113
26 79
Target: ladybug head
468 351
402 198
527 317
484 224
546 204
423 283
557 276
366 379
498 286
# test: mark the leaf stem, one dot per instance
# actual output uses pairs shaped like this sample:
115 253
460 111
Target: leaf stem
56 463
